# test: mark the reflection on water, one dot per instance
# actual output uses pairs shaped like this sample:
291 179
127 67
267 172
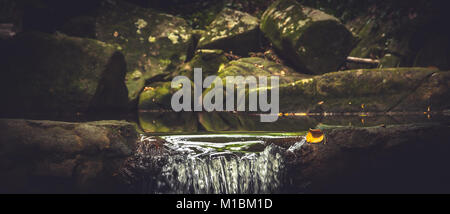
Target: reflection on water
190 122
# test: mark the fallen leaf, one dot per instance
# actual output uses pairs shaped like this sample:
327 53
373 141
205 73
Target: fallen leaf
314 136
148 88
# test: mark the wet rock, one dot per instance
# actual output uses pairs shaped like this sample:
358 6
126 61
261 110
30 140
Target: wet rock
311 40
234 31
153 43
61 157
393 159
54 73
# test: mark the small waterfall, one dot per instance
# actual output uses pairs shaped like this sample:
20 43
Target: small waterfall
207 171
227 174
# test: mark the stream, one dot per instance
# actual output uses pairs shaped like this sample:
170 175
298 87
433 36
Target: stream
225 162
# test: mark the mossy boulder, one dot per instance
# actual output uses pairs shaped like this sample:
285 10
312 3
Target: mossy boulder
62 157
402 38
168 121
255 66
362 90
372 90
209 60
380 40
234 31
311 40
152 42
54 73
156 96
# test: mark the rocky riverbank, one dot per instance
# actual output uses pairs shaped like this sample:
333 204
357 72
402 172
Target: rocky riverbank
408 158
62 157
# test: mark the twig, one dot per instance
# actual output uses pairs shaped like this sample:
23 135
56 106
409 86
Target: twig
363 60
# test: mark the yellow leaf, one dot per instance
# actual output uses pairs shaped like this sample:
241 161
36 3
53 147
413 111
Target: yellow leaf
314 136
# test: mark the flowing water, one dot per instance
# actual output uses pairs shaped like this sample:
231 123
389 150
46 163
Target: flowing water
216 163
234 161
206 167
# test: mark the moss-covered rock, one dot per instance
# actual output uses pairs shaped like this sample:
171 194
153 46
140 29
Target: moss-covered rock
43 73
363 90
61 157
379 40
168 122
374 90
402 38
152 42
255 66
232 30
209 60
311 40
157 95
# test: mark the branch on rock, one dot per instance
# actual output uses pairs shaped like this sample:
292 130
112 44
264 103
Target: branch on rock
363 60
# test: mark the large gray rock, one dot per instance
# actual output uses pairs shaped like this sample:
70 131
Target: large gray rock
55 73
62 157
311 40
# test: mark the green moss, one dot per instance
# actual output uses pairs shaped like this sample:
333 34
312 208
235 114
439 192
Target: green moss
378 89
208 60
152 42
156 96
302 35
232 31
